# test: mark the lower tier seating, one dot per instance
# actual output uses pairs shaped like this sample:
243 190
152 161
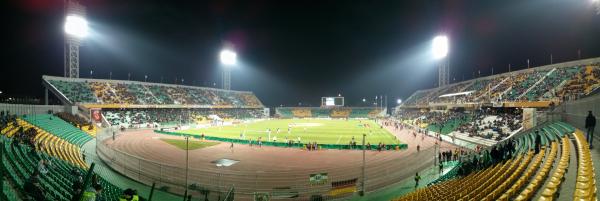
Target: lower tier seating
526 175
20 162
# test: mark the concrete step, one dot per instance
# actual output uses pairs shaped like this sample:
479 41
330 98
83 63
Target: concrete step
568 186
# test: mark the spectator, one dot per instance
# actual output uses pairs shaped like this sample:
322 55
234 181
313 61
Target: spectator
33 188
43 166
92 193
590 124
77 187
129 195
417 178
538 142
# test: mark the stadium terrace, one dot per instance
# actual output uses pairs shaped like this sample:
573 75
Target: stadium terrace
519 135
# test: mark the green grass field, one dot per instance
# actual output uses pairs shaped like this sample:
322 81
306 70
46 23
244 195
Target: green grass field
192 144
322 131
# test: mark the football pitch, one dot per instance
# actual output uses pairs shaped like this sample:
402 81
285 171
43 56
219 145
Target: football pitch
323 131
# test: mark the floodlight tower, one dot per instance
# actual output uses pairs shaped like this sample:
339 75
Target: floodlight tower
440 51
76 28
228 59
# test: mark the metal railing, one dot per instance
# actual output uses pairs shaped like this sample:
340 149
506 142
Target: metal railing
216 181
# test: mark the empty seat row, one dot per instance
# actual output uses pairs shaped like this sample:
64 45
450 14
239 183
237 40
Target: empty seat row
585 188
552 187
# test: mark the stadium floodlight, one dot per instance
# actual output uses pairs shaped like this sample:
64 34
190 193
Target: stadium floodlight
228 57
399 101
76 26
440 47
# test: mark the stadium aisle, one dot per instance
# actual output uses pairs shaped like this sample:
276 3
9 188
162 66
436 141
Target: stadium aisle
119 180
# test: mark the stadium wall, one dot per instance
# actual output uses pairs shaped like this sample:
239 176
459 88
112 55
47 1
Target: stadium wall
575 112
21 109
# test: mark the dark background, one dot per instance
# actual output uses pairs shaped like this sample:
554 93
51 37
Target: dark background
296 51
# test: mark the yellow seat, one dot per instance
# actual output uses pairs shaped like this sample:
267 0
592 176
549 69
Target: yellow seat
582 185
582 193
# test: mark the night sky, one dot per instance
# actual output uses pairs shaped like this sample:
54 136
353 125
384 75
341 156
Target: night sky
296 51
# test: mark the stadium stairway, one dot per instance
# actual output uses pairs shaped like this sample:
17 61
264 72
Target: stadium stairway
543 176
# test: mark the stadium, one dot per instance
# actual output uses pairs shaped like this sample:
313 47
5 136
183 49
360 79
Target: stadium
524 133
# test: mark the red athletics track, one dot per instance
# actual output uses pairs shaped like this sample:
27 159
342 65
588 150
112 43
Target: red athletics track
263 168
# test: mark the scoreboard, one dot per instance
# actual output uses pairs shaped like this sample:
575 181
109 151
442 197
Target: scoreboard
332 101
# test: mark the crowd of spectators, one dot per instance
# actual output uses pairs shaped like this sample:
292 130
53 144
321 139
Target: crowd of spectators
545 88
150 118
22 135
460 87
486 123
112 92
478 160
76 121
504 123
6 118
522 82
564 83
440 120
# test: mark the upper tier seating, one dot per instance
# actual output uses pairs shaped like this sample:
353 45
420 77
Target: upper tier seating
340 112
562 83
143 93
552 81
301 113
320 112
131 118
75 91
336 112
364 113
285 112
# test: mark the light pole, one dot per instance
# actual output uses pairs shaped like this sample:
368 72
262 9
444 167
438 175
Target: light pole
362 191
76 28
187 140
228 59
440 51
